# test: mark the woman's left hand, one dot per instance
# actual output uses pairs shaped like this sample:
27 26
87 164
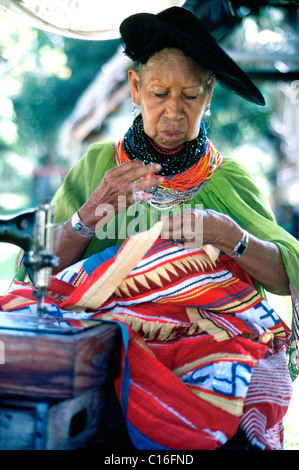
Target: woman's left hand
262 260
184 227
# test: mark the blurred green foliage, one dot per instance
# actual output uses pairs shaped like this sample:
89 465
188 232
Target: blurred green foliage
236 122
42 76
45 74
47 100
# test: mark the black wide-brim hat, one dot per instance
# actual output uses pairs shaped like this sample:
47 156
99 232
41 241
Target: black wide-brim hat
144 34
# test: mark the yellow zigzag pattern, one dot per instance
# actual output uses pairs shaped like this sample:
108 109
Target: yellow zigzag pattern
161 274
156 330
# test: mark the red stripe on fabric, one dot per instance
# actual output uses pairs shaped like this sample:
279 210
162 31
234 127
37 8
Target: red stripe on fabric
154 420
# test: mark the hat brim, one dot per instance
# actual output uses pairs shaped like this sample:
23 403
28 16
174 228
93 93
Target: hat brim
144 34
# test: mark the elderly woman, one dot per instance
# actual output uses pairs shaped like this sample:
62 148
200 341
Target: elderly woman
173 91
197 371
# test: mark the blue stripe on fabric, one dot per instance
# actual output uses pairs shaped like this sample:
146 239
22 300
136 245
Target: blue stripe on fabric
125 385
70 280
250 326
158 246
94 261
227 298
141 441
158 258
196 282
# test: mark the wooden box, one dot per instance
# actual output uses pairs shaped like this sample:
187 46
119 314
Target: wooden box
51 425
56 358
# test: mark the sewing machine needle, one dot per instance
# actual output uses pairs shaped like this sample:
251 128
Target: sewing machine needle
40 296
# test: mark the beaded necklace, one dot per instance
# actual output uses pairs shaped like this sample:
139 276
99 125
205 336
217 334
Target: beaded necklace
172 161
184 167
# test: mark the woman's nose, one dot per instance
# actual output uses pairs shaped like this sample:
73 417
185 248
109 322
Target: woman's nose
174 109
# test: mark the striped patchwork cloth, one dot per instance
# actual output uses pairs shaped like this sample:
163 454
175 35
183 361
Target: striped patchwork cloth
203 354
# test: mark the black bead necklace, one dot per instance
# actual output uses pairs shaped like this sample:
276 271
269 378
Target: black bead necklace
138 146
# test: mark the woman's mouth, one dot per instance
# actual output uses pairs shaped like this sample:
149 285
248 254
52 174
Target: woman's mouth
172 136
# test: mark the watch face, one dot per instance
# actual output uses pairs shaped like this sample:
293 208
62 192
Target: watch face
241 249
78 226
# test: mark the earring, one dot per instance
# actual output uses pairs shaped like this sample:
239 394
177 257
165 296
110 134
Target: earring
207 111
133 111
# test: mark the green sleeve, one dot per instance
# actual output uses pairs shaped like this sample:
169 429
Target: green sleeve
78 186
82 180
76 189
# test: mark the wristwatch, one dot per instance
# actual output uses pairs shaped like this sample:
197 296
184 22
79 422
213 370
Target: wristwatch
80 227
240 247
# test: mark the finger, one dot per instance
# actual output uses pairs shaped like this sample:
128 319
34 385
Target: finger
183 227
139 196
172 222
136 169
150 182
119 179
167 227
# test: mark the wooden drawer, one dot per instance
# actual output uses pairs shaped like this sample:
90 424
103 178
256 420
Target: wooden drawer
51 358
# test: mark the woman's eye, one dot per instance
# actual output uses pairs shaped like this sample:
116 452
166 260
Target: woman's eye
160 95
165 94
189 97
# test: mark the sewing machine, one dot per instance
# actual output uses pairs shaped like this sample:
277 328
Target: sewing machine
55 374
33 232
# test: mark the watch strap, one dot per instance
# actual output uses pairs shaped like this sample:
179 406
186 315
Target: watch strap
80 227
240 247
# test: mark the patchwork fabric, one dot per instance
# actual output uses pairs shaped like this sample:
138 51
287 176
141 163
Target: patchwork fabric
203 353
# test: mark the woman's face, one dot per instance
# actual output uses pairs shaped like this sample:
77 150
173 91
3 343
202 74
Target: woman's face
172 91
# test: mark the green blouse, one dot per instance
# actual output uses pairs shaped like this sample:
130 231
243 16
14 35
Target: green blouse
231 191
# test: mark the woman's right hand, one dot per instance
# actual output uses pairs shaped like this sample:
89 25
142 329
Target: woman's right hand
119 188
